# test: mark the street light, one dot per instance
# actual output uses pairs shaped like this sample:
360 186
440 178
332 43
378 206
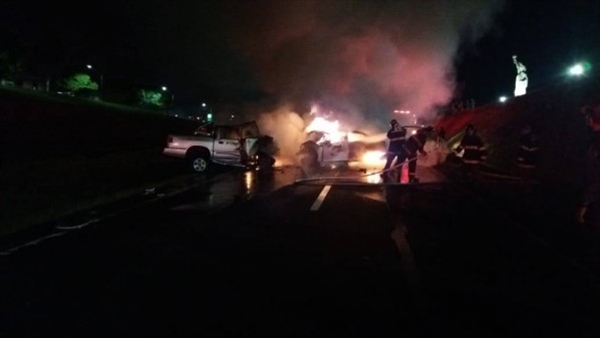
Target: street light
579 69
101 76
502 99
576 70
164 89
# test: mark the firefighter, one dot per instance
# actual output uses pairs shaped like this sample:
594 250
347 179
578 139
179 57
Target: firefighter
412 147
527 154
474 151
396 136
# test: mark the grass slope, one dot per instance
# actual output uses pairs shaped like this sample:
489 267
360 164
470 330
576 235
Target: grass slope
61 155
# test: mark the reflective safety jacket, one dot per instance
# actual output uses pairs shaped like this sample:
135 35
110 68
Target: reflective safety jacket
415 143
474 148
397 138
528 150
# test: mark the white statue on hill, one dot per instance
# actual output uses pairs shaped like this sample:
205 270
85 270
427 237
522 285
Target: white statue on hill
521 81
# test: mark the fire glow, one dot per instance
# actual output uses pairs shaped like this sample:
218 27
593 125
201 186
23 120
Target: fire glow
333 134
373 158
330 128
332 131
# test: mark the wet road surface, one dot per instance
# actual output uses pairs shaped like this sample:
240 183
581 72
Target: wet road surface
276 254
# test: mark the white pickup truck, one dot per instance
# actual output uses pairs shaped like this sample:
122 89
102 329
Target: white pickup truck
238 145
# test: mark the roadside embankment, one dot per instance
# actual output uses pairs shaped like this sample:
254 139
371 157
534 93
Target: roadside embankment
555 114
61 156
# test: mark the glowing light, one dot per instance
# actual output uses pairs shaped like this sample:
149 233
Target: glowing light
502 99
331 128
576 70
374 158
89 66
373 178
249 179
164 88
278 162
355 137
414 132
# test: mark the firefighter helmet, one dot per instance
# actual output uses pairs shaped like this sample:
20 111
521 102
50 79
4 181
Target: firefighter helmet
393 123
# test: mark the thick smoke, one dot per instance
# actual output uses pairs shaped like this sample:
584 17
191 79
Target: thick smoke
287 128
359 59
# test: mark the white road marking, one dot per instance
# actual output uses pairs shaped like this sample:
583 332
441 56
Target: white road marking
320 199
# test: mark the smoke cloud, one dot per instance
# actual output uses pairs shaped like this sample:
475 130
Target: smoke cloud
358 59
287 128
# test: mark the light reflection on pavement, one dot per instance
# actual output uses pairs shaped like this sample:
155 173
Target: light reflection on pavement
238 185
359 175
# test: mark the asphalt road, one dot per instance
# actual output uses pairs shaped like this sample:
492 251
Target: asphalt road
270 254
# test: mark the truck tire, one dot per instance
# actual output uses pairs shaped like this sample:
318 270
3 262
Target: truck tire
198 163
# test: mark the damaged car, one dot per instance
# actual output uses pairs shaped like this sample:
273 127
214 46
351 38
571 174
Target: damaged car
239 145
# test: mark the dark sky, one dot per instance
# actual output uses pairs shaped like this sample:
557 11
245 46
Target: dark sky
366 56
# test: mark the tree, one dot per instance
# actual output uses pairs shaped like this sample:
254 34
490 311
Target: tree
10 66
151 98
78 82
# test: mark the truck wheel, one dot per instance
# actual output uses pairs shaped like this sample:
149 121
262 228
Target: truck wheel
198 163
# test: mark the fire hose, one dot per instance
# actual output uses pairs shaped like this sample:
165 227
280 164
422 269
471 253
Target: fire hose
396 166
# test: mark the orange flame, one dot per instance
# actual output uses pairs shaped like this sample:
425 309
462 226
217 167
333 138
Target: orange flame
330 128
374 158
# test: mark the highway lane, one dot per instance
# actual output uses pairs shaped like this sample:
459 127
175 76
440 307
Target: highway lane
251 255
486 275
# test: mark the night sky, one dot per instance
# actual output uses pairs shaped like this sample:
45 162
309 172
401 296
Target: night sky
350 56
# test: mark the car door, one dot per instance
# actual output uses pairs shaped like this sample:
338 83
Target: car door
227 145
249 133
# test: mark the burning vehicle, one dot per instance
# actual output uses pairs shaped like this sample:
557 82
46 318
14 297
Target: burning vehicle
328 146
